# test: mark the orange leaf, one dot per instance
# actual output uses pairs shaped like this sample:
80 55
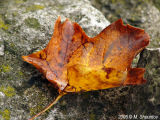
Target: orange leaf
75 62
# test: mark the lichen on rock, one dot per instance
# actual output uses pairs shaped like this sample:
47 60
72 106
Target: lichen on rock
1 46
144 14
7 90
32 22
26 27
5 114
140 13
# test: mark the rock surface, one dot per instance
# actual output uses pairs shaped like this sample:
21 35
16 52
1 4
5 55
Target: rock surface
26 26
145 14
140 13
1 47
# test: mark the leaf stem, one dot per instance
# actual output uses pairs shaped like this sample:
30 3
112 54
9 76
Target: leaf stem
49 106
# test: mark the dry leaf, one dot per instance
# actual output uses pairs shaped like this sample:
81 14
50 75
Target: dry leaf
74 62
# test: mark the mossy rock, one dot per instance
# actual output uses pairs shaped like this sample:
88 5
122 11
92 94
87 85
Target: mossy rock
26 27
32 22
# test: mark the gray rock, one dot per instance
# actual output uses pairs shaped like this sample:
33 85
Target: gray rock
145 98
142 13
150 59
27 26
1 47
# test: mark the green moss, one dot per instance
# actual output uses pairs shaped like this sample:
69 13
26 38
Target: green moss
60 7
40 105
32 22
19 1
34 110
15 14
20 73
11 48
5 114
8 91
5 68
92 116
34 8
2 24
117 1
1 43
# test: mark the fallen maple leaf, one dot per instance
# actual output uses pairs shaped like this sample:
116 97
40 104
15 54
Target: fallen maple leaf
74 62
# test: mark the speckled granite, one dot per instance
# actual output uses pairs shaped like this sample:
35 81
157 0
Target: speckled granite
26 26
145 99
